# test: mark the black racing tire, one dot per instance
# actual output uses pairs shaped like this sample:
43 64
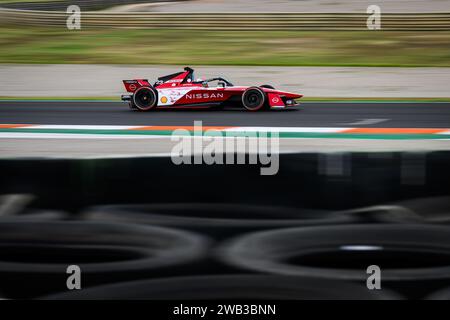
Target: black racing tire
381 214
218 220
429 209
145 98
15 207
267 86
414 259
223 220
442 294
37 215
224 287
253 99
37 253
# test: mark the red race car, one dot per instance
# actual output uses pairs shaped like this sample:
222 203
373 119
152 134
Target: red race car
181 90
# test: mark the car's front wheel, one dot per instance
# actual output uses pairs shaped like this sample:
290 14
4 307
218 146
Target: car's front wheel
253 99
145 98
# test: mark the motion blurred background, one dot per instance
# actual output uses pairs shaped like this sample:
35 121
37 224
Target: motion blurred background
141 227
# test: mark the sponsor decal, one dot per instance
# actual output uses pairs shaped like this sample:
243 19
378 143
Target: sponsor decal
170 96
275 100
132 86
205 95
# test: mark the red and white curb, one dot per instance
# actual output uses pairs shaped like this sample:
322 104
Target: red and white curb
146 132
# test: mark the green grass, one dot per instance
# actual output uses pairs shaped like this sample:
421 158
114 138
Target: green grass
186 47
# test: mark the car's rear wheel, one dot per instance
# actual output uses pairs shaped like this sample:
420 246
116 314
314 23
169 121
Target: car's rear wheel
145 98
253 99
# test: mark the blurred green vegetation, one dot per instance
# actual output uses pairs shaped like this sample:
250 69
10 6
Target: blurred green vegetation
189 47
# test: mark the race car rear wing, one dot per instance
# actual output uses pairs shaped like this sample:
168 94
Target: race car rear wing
133 85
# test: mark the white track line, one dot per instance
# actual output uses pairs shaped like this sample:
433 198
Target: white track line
284 129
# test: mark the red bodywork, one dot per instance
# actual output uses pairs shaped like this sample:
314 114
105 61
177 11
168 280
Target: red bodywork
181 90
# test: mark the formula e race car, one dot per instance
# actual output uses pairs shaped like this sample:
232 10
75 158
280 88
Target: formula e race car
181 90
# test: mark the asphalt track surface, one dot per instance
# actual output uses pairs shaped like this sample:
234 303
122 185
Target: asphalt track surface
327 114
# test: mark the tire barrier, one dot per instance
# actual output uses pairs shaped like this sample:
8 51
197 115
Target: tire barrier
443 294
15 207
220 287
381 214
222 220
294 21
374 179
10 204
218 220
355 218
38 215
34 255
429 210
414 259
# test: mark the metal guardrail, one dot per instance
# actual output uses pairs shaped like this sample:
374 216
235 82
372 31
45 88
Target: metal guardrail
232 21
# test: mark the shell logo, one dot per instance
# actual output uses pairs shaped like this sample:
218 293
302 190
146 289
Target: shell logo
163 99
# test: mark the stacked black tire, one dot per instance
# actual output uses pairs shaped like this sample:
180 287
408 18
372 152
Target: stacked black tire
296 235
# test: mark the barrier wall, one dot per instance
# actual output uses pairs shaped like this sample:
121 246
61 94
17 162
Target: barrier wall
232 21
